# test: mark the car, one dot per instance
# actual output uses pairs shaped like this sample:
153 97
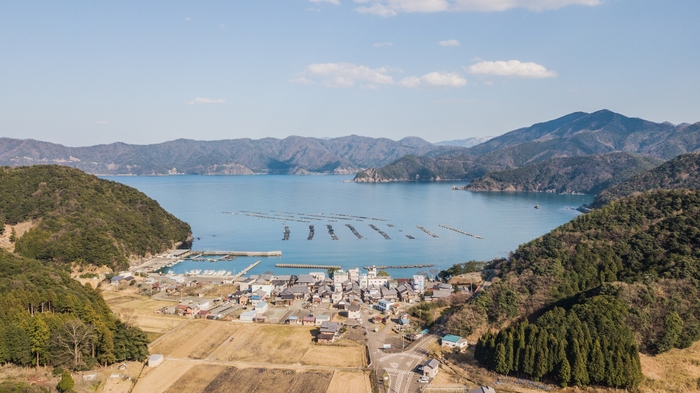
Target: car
423 380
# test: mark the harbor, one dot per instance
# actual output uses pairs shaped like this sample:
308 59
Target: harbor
306 266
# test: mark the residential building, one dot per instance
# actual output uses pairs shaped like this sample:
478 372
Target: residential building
431 368
452 341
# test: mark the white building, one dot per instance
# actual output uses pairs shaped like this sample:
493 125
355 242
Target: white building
354 274
419 283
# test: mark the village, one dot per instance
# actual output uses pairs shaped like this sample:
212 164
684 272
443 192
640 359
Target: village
362 319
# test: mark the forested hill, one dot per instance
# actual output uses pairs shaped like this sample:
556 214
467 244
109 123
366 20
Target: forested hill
573 135
291 155
680 172
83 218
586 175
622 278
47 318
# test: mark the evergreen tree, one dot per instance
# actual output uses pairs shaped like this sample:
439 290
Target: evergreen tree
579 373
501 361
40 336
673 326
66 383
564 372
596 363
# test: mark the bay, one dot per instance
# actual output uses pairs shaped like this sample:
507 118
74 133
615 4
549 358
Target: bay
503 219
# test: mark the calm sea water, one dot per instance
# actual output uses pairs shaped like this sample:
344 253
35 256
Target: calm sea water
503 219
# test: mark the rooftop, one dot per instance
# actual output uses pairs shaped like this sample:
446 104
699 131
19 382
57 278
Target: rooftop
451 338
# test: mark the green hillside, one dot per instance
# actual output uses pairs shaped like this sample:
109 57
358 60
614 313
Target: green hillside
47 318
626 276
84 218
586 175
680 172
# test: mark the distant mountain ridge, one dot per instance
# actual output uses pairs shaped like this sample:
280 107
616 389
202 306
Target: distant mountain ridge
291 155
469 142
576 134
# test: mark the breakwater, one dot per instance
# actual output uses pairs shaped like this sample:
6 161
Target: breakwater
380 231
426 231
246 270
306 266
416 266
239 253
354 231
462 232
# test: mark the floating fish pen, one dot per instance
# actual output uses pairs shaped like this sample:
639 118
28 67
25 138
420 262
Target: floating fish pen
380 231
331 232
354 231
306 266
390 225
410 237
416 266
462 232
311 233
286 233
426 231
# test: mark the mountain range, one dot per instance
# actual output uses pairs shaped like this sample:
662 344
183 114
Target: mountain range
291 155
576 134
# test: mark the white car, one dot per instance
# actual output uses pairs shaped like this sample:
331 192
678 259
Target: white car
423 380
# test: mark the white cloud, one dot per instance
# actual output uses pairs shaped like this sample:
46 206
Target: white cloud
200 100
434 80
511 68
101 123
393 7
449 43
302 80
334 2
383 44
346 74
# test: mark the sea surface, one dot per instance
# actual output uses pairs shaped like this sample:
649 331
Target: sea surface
224 214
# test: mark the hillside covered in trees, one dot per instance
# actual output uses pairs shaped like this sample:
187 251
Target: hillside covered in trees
680 172
585 175
625 277
47 318
83 218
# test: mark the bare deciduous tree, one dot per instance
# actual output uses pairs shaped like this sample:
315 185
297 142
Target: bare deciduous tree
72 340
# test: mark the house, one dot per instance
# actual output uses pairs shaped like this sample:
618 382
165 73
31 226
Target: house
293 320
353 311
483 389
452 341
441 294
325 338
258 296
259 319
116 280
297 291
430 368
239 297
389 294
202 314
246 284
317 276
384 306
320 319
306 279
155 359
183 309
403 319
260 308
340 276
337 296
328 332
247 316
261 285
308 320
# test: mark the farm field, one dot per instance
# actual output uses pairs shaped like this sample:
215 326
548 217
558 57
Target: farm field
220 379
261 343
350 382
157 380
332 356
176 339
143 309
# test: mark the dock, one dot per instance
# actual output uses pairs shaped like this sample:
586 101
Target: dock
399 266
238 253
462 232
426 231
246 270
306 266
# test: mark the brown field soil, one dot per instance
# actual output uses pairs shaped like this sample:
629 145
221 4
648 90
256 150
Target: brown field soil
332 356
157 380
144 308
220 379
677 370
261 343
214 340
174 340
350 382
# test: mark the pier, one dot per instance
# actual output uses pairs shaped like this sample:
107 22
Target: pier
237 253
354 231
426 231
380 231
399 266
306 266
331 232
246 270
462 232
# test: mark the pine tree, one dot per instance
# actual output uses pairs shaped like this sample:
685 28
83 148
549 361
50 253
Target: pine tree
541 356
501 363
564 372
509 351
596 363
579 373
40 335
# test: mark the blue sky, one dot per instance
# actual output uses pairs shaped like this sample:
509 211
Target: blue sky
83 73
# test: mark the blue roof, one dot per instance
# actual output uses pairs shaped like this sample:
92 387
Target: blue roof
451 338
424 331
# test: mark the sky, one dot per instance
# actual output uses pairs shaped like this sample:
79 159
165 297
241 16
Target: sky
83 73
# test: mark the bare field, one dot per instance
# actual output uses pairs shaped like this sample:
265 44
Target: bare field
220 379
677 370
144 308
213 340
350 382
260 343
174 340
157 380
332 356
